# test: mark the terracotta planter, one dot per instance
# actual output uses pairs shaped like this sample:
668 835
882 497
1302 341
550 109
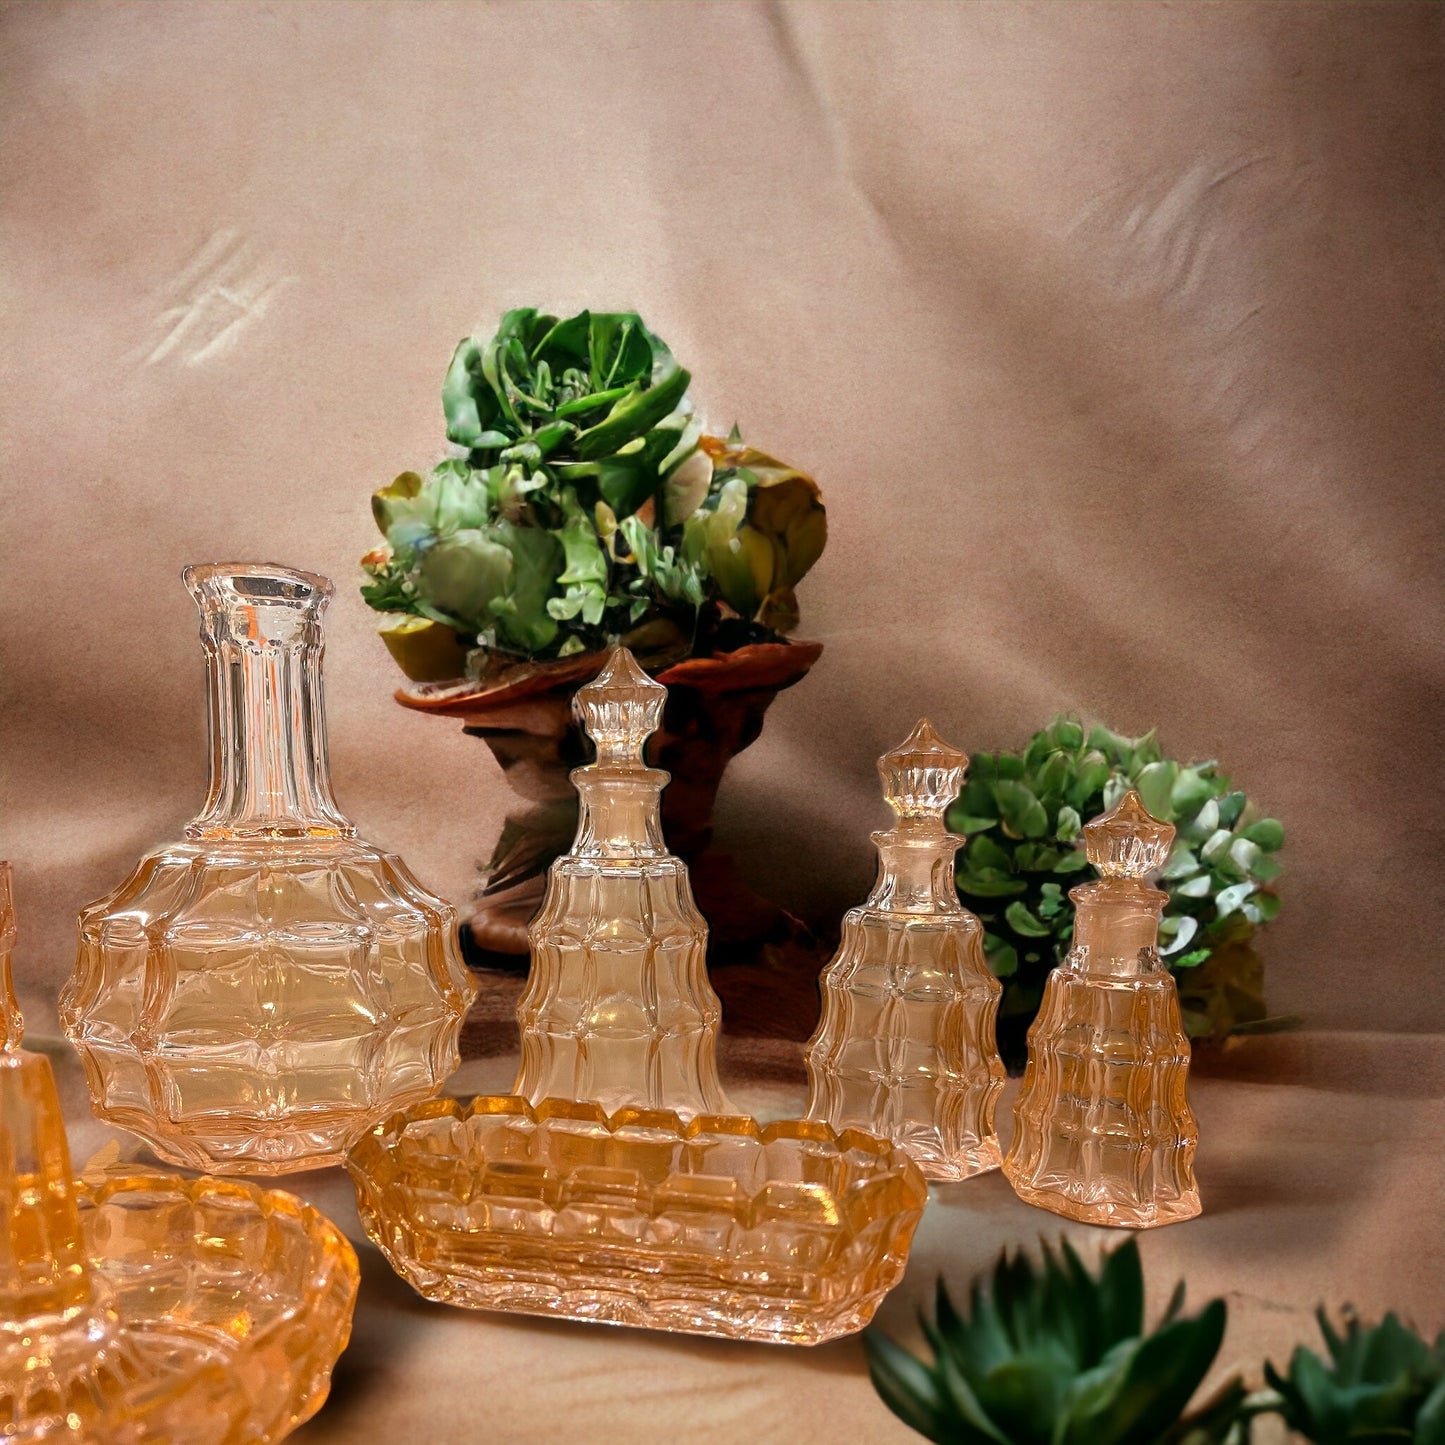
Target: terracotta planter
715 709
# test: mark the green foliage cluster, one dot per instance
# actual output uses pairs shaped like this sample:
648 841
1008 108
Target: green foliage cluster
1025 812
588 503
1059 1356
1381 1385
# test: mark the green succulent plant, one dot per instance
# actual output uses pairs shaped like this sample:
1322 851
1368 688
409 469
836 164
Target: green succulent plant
1060 1356
587 504
1381 1385
1024 813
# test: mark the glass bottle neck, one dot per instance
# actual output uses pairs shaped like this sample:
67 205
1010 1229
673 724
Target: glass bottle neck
619 813
916 869
270 777
1116 928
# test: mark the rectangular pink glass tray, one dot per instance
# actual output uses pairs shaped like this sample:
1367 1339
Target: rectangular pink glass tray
782 1232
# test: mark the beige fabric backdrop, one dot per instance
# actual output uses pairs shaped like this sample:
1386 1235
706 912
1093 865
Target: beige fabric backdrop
1113 333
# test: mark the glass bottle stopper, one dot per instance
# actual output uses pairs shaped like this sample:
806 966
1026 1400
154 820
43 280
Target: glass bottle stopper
1128 841
620 709
923 775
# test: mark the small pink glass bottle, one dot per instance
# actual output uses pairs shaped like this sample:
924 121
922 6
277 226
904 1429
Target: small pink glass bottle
1103 1132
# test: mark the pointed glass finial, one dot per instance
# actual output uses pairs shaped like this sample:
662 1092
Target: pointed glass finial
1128 841
620 708
923 774
12 1026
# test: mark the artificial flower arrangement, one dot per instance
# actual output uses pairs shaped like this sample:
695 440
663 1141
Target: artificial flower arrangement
586 505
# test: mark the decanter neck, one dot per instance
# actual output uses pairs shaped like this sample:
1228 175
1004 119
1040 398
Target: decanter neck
270 776
1116 928
915 868
619 813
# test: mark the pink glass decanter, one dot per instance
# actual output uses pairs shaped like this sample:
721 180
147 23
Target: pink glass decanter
253 998
906 1045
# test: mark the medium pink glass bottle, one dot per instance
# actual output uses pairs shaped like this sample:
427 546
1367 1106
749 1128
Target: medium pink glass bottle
906 1046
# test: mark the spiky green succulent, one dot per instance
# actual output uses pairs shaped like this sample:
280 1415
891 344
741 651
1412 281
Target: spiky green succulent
587 504
1381 1385
1024 813
1059 1355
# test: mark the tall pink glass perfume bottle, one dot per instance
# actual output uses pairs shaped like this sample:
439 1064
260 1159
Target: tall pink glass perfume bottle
905 1047
1103 1132
618 1009
254 997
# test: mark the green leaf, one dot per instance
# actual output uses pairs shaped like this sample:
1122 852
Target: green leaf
977 800
907 1387
1182 928
1003 959
1191 791
1430 1422
1155 785
1023 814
990 883
960 822
1231 805
1052 777
1192 959
1069 824
1265 869
1035 858
464 422
1216 846
1244 855
632 416
1203 823
1072 862
1261 908
1085 793
1267 833
1022 921
982 852
1200 886
522 617
465 575
1121 1292
1067 732
1227 900
1154 1385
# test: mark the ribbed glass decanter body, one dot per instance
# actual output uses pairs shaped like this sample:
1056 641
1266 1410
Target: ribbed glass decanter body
905 1046
254 997
1103 1131
618 1008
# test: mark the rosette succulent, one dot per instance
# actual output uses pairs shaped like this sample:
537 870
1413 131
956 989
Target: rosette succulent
587 505
1023 813
1380 1384
1060 1356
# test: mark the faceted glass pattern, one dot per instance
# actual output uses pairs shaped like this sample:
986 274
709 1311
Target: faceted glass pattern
618 1008
1103 1131
139 1309
788 1233
254 998
905 1046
